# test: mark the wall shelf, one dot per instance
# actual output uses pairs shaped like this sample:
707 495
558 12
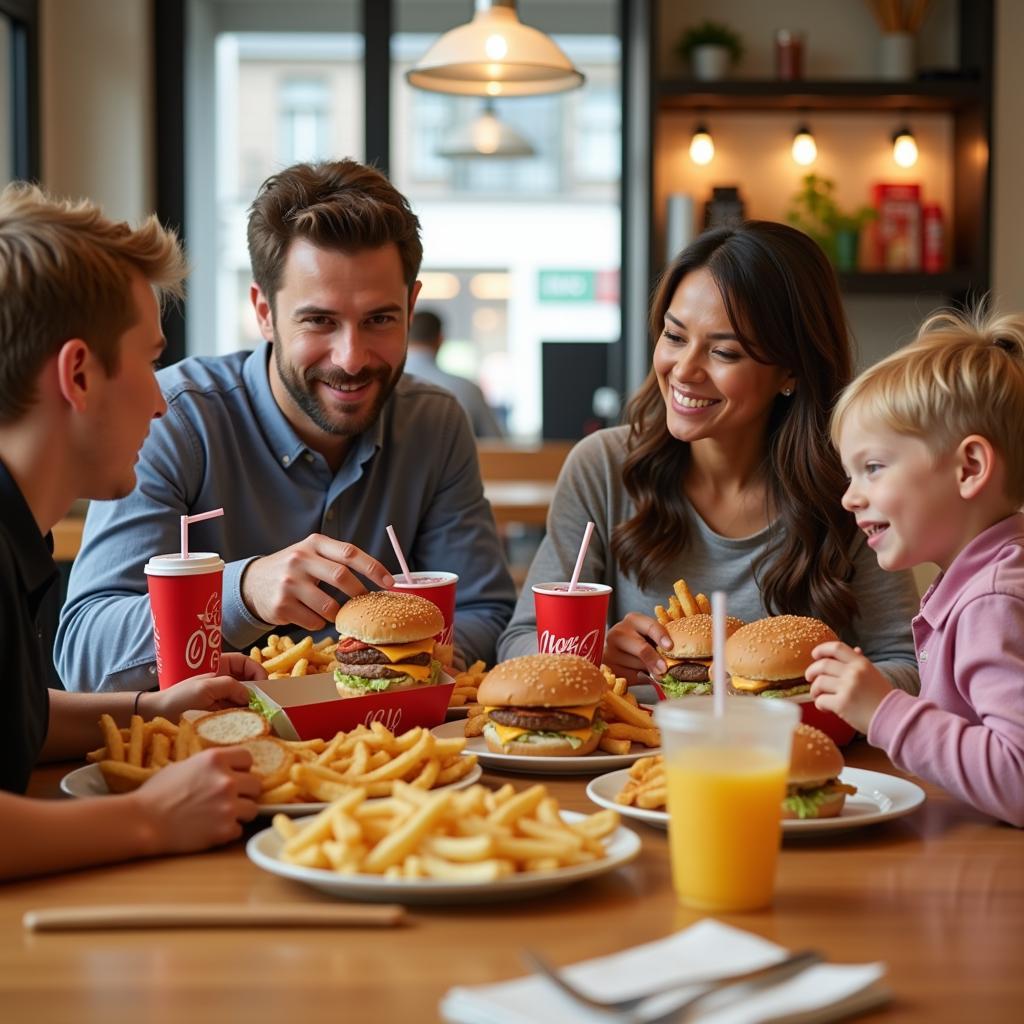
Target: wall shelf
940 94
950 282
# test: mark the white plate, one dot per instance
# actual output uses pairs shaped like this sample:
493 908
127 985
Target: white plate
621 847
588 764
879 797
89 781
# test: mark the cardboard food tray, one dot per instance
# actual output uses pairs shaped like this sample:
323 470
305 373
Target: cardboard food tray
308 707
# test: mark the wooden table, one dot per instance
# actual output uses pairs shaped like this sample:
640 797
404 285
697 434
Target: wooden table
938 895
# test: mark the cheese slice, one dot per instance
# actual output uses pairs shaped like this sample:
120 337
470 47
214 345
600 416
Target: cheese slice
510 733
396 652
420 672
741 683
678 661
584 711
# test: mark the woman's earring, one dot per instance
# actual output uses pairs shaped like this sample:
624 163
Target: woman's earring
787 391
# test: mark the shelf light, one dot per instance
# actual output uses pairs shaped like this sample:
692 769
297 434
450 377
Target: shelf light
805 149
904 147
702 146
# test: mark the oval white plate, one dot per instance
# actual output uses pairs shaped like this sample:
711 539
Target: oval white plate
879 797
588 764
89 781
263 849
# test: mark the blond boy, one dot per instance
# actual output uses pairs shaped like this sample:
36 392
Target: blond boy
931 440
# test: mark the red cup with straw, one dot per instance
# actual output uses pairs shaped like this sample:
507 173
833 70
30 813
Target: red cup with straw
437 587
571 617
185 602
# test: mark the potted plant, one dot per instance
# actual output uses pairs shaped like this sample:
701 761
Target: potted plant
711 48
814 211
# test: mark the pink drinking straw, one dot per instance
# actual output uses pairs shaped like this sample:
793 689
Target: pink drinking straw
398 551
718 651
185 520
579 558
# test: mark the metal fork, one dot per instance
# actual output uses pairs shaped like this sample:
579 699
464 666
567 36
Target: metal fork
742 984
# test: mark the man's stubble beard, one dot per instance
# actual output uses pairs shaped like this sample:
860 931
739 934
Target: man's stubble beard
301 394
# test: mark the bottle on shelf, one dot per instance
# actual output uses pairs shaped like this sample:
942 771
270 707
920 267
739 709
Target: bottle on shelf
933 239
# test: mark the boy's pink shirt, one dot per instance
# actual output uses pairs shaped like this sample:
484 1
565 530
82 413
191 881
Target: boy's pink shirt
965 732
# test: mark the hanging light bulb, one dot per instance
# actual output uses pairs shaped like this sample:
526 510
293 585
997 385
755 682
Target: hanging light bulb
904 147
495 54
702 146
487 135
805 149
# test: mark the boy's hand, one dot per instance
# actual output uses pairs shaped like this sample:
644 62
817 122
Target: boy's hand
845 682
207 692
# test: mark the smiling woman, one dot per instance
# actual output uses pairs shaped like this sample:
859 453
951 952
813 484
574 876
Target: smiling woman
725 474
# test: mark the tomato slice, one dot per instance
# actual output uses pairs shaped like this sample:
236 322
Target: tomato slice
350 644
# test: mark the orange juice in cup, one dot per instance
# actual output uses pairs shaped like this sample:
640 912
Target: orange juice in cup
726 781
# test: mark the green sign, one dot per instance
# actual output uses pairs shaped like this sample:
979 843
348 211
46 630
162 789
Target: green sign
567 285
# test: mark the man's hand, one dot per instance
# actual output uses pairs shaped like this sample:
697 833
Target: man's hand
206 692
845 682
627 649
198 802
284 588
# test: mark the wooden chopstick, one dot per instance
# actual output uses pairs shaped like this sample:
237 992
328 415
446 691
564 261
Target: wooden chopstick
213 915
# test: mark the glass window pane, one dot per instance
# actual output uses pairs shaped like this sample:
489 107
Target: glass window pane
6 99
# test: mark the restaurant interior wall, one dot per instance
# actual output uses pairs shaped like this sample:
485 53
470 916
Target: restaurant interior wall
88 150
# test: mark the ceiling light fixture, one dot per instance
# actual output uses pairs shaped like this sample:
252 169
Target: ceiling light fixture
702 146
486 135
904 147
495 54
805 149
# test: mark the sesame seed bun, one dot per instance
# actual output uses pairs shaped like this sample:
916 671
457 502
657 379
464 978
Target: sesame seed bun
814 758
772 650
543 681
387 617
692 635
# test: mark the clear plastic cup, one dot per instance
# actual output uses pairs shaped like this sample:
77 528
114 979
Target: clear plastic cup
438 588
185 601
726 781
571 621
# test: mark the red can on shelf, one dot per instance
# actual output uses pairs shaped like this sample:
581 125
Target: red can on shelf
933 239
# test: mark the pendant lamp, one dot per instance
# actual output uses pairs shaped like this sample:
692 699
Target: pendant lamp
486 135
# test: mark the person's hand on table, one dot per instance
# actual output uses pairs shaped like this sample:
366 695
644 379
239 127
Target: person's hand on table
199 802
207 692
845 682
628 650
284 588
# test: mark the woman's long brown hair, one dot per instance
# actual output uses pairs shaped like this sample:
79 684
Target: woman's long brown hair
782 299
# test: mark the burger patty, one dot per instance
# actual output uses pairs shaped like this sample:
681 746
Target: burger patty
538 719
371 656
689 672
369 671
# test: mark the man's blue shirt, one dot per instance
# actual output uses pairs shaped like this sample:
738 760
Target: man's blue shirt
225 442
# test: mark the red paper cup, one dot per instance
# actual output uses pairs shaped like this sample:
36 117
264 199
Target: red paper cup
184 598
439 589
571 621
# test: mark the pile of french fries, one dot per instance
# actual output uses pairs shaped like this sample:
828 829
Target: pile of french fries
627 723
370 759
284 656
470 835
466 685
682 604
646 786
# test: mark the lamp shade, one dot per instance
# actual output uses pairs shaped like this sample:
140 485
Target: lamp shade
486 135
495 55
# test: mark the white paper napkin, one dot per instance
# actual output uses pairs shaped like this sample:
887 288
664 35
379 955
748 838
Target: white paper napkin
823 992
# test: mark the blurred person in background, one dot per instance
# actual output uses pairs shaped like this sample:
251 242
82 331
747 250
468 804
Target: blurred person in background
426 336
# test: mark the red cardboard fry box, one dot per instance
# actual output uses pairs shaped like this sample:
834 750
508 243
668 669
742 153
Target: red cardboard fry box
310 708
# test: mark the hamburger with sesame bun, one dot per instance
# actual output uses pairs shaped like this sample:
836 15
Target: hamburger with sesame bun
689 661
769 657
386 643
813 789
543 705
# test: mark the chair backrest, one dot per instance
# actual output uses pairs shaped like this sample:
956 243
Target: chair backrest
501 461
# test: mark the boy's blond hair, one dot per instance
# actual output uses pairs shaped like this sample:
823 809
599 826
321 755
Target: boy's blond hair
65 272
963 374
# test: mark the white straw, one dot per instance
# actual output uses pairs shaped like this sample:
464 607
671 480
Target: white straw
185 520
583 554
398 552
718 650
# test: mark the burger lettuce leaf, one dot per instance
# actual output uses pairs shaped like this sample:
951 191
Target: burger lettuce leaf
791 692
805 804
673 688
259 705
